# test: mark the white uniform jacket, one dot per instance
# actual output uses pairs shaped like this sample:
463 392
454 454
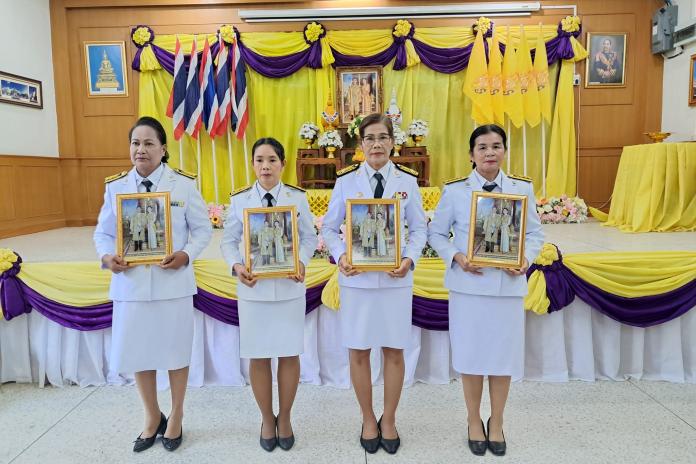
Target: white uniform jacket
191 233
453 213
233 248
356 185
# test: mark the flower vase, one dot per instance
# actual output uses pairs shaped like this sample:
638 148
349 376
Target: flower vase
308 142
397 149
417 139
330 150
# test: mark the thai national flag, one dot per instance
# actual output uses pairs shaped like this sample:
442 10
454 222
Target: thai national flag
175 108
222 86
240 107
194 102
207 83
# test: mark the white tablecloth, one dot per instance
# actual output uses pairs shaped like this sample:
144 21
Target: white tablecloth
576 343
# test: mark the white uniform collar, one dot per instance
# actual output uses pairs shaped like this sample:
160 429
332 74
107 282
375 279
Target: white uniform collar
498 179
262 191
385 170
154 177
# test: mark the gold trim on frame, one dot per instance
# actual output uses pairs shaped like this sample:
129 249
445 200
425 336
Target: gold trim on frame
124 68
379 90
590 57
397 233
491 262
295 241
154 259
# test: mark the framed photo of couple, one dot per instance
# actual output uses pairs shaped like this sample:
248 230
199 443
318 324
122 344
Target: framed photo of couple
271 241
373 234
496 230
143 227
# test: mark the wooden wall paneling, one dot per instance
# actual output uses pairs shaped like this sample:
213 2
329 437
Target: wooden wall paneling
94 191
7 180
597 181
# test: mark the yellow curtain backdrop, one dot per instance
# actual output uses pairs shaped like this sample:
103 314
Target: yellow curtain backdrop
279 106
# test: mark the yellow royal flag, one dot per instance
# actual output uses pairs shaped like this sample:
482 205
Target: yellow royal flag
541 72
528 87
512 98
476 84
495 79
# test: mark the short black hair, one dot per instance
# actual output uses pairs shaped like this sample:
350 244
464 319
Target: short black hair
275 144
376 118
157 127
483 130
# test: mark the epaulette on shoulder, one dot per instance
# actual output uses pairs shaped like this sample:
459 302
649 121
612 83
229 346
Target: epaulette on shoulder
118 176
295 187
522 178
413 172
240 190
456 179
347 170
190 175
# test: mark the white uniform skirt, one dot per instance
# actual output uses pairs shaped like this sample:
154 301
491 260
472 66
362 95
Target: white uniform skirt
486 334
271 329
376 317
151 335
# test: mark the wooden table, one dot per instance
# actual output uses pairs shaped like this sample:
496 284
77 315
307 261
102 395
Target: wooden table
314 171
420 163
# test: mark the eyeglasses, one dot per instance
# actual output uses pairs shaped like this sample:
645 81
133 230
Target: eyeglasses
371 139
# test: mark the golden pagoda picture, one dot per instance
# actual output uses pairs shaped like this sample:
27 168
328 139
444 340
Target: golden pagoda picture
105 64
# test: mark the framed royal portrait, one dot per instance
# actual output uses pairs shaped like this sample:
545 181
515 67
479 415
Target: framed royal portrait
606 63
496 230
373 234
144 227
18 90
692 80
271 241
358 92
105 69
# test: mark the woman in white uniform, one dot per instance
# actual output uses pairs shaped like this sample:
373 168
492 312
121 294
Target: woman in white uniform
152 324
486 313
376 307
271 311
505 221
279 242
381 233
151 229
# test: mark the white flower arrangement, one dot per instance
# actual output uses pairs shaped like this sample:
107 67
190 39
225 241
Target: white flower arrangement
309 131
400 136
418 127
330 139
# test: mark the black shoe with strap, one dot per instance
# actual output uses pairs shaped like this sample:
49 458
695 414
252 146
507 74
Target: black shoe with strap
171 444
390 445
371 445
141 444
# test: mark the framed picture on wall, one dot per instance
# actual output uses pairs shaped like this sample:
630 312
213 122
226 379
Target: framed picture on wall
105 68
496 230
358 92
606 62
692 81
144 227
18 90
271 241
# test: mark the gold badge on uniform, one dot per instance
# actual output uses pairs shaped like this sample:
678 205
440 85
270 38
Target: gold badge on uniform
177 203
402 195
360 194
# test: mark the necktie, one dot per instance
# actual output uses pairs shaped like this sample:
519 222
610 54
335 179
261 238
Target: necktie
147 184
379 190
489 188
269 199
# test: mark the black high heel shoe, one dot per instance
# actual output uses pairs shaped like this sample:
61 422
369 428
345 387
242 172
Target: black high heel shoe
390 445
497 447
171 444
478 447
269 444
371 445
285 443
141 444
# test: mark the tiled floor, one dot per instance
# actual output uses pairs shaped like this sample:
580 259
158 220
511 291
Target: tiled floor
600 422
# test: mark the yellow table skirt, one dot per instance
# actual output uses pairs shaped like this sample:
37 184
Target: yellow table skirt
655 189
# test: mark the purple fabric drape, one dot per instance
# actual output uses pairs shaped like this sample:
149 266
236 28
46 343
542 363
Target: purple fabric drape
430 314
562 286
379 59
166 59
12 298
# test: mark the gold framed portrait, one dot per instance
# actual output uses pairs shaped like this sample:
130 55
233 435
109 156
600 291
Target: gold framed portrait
373 234
143 227
358 92
605 65
496 230
692 80
106 69
271 241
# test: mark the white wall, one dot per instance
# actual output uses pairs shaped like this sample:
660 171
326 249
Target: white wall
677 116
25 35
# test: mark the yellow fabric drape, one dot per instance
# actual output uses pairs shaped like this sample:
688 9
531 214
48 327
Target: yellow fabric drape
655 189
561 173
72 283
536 299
